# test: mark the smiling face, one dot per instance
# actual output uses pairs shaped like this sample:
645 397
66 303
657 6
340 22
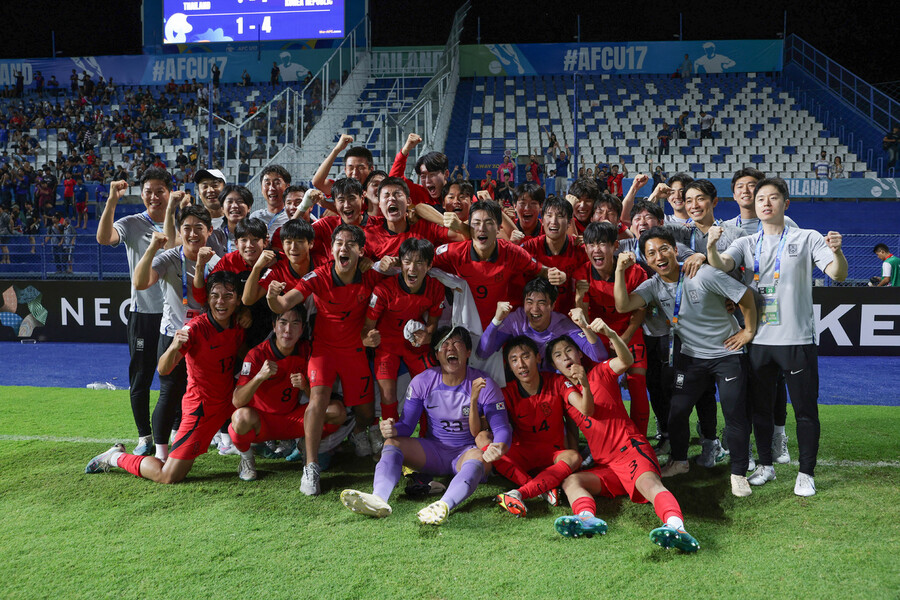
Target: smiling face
662 257
288 329
565 355
357 167
413 269
556 224
250 248
583 209
642 222
292 203
527 210
209 190
484 231
699 206
372 189
743 192
273 186
194 233
770 204
345 251
393 203
455 201
155 195
604 212
523 363
296 250
223 301
601 255
676 198
433 181
453 356
349 207
235 209
538 310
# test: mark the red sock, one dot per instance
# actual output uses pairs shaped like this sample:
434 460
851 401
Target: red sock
131 463
511 471
389 411
547 479
640 404
241 442
585 504
666 506
329 428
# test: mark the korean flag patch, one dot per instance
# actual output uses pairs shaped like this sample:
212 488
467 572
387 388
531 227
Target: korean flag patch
441 249
501 406
245 368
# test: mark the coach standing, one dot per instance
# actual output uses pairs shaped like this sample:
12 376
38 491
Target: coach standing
780 260
136 232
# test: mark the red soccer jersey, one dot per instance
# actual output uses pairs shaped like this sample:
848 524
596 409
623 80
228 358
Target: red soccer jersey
601 302
614 183
323 229
275 395
392 305
341 307
538 228
232 262
281 271
538 419
609 428
568 260
210 354
488 279
381 241
418 194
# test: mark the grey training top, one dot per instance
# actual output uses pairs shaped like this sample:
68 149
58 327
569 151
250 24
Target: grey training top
136 232
169 267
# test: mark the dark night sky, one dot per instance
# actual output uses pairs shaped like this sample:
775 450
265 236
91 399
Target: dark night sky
860 35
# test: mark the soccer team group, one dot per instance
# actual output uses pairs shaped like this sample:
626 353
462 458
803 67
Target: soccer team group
515 324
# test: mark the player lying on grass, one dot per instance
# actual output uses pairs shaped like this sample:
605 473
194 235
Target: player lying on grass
267 396
443 393
210 344
536 403
625 462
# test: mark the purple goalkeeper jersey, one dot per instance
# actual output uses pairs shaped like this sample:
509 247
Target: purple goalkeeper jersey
447 408
516 323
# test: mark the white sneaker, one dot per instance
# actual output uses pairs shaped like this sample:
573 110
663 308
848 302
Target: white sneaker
710 454
228 450
805 485
247 468
434 514
675 467
780 452
217 439
762 474
309 483
284 448
361 445
365 504
740 487
376 442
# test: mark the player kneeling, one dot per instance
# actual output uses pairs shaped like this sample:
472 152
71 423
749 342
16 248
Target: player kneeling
267 396
210 344
443 393
625 462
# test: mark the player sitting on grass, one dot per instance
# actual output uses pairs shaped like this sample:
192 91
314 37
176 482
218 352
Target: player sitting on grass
536 403
443 393
210 344
625 463
267 396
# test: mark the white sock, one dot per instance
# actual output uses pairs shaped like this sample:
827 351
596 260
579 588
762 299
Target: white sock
162 451
114 459
675 522
586 513
248 454
226 439
779 429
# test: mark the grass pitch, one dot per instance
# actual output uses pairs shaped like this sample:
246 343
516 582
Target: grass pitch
70 535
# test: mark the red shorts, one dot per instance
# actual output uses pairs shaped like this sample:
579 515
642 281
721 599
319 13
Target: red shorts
199 424
286 426
618 476
387 361
637 347
528 457
327 363
81 207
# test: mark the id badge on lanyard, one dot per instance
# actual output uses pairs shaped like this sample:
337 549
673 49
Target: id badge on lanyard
771 314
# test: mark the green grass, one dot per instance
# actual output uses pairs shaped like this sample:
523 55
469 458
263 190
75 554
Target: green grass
70 535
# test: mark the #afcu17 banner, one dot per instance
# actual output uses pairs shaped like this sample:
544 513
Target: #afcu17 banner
712 56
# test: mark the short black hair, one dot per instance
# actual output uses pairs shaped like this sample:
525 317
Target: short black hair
255 227
278 170
300 309
435 162
466 189
358 235
393 182
534 191
746 172
372 175
295 189
450 331
881 246
600 232
548 350
424 248
347 186
559 205
230 280
539 285
245 194
682 178
156 174
656 232
199 212
706 186
515 342
651 207
359 152
297 229
490 207
777 182
585 186
612 200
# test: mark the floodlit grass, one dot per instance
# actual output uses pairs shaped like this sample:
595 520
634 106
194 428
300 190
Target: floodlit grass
70 535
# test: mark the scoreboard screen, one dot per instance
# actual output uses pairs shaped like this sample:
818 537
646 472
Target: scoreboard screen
192 21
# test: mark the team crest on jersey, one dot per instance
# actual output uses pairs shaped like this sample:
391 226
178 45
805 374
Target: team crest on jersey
373 301
792 249
441 249
309 276
679 380
545 408
466 411
245 368
501 406
694 295
139 344
569 385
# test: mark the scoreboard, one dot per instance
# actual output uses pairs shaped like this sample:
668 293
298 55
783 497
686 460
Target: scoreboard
192 21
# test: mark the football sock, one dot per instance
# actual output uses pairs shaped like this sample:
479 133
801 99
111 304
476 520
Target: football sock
246 453
114 458
667 508
131 463
511 471
389 411
464 483
640 404
779 429
241 441
162 451
388 471
585 505
546 480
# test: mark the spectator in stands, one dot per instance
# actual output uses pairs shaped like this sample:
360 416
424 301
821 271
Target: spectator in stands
32 224
687 67
20 84
245 78
659 176
706 125
535 168
244 171
890 267
53 86
81 214
507 171
891 145
5 233
562 167
550 183
837 168
663 136
822 167
38 80
488 184
601 173
614 181
68 193
216 75
274 74
460 173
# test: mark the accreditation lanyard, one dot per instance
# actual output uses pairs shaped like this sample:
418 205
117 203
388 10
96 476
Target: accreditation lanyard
694 230
153 223
758 253
674 322
738 222
229 246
